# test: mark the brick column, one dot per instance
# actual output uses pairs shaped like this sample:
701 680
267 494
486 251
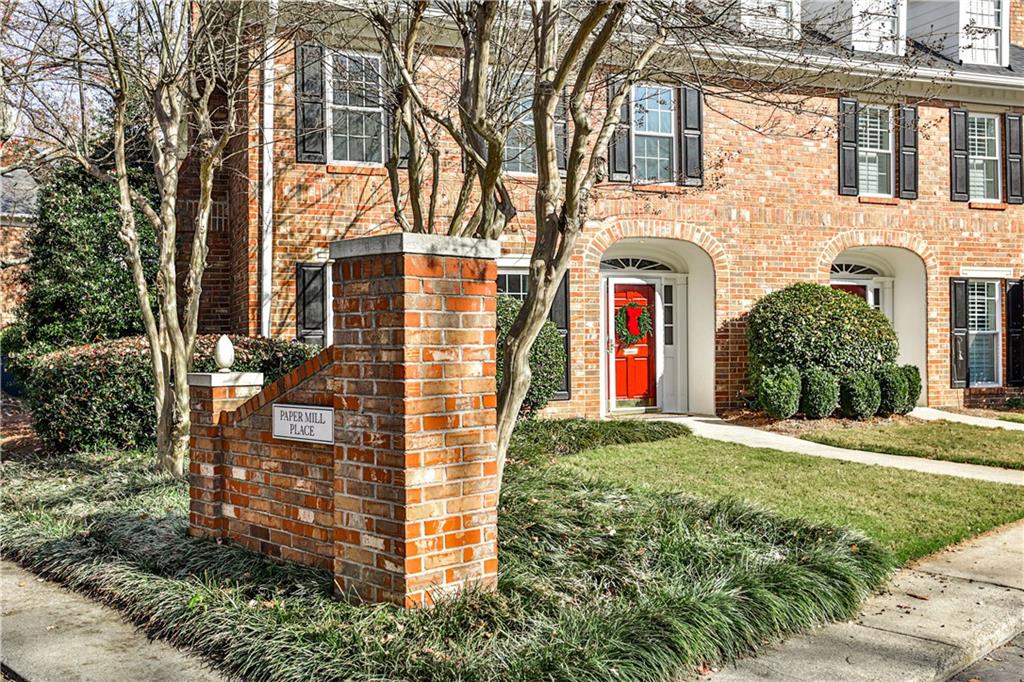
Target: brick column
211 395
416 490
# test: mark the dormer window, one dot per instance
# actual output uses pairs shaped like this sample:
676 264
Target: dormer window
770 18
983 39
878 26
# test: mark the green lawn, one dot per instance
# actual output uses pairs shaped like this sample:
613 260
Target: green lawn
944 440
1013 417
597 581
910 513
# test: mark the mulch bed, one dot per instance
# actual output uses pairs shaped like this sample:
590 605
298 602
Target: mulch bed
796 426
16 435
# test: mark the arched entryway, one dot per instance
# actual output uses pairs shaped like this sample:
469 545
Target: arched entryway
671 283
893 280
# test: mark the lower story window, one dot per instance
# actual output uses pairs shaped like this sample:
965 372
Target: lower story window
983 331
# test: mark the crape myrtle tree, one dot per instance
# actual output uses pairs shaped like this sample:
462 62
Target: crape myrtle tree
552 78
165 78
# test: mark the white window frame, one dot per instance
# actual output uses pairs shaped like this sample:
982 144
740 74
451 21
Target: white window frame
673 172
967 54
997 158
331 106
517 271
891 151
996 333
863 43
750 14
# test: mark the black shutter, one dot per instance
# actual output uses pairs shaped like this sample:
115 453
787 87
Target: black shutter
619 153
311 303
959 182
848 180
1014 158
560 316
958 338
908 152
562 132
1015 332
310 137
691 138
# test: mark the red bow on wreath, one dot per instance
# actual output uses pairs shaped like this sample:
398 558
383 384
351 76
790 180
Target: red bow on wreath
633 323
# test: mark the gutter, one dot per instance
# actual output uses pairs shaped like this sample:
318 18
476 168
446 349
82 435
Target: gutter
266 268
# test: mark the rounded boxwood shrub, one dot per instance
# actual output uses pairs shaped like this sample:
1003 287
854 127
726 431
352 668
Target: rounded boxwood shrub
101 395
913 377
778 391
892 385
819 394
547 357
859 395
813 325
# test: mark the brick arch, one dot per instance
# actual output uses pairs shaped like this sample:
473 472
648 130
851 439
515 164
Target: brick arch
895 239
617 230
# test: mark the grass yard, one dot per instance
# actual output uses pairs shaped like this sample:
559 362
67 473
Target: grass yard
943 440
911 514
1013 417
597 580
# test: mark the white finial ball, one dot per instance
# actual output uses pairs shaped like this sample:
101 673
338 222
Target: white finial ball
224 354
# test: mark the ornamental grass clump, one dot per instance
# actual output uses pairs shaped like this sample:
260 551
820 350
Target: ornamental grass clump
859 395
596 581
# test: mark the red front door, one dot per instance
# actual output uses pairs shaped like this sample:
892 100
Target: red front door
858 290
634 363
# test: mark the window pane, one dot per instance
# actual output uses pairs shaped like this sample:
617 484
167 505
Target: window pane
982 31
357 136
356 80
652 109
653 158
513 284
520 154
769 17
983 151
873 174
874 141
982 359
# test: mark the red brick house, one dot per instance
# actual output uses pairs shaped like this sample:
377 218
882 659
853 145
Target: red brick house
912 201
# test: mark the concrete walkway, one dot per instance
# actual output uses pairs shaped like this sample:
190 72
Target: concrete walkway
716 429
931 414
936 618
53 635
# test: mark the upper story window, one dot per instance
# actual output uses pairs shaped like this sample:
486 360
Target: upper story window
983 157
770 18
654 134
982 42
355 109
874 151
520 148
877 25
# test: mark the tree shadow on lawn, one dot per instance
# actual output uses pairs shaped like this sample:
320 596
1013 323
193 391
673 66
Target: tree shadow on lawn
595 581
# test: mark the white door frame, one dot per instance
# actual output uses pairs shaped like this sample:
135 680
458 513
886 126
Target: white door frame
608 341
884 285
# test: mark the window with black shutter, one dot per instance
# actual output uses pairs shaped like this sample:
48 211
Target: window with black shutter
619 152
1012 124
310 138
691 136
848 179
958 333
1015 332
514 283
311 303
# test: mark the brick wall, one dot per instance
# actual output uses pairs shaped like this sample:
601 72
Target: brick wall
768 215
14 244
403 506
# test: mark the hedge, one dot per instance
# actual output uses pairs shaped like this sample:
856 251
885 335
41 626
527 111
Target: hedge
778 391
913 376
859 395
819 395
547 357
892 384
813 325
101 395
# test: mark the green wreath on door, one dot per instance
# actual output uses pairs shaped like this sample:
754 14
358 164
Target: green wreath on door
633 323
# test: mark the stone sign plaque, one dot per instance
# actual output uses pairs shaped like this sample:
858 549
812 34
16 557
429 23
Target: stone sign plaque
309 423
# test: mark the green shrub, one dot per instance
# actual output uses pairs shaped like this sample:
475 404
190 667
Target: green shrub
819 394
102 394
892 385
1015 403
78 284
778 391
547 357
859 395
812 325
913 376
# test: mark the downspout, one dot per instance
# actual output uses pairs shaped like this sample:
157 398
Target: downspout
267 180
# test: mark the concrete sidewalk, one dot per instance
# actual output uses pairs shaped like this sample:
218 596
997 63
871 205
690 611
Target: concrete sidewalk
931 414
716 429
50 634
937 617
